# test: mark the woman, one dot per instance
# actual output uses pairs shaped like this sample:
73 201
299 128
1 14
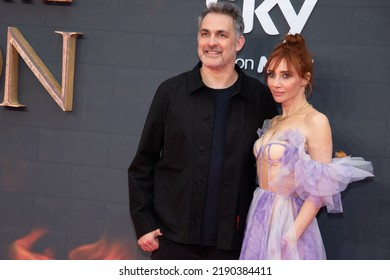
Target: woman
297 175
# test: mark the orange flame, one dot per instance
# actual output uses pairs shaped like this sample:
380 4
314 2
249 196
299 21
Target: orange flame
100 250
21 249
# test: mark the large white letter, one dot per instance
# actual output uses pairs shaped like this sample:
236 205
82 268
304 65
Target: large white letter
295 21
248 10
208 2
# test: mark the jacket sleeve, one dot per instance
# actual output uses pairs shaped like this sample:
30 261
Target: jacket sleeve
142 169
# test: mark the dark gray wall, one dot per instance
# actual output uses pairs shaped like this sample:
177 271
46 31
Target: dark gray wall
66 172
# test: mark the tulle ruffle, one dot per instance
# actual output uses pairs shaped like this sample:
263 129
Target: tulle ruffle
311 180
322 183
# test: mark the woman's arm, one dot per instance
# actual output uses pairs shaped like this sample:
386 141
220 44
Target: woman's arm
319 147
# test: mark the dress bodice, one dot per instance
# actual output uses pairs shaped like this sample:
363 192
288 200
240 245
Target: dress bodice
273 156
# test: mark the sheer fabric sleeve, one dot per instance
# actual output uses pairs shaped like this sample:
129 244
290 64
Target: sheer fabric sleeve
322 183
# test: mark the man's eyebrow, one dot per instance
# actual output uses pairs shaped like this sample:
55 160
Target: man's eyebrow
218 31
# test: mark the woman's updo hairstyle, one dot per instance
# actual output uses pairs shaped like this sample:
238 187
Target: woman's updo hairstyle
294 51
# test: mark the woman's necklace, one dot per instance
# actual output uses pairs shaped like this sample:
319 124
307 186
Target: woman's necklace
280 118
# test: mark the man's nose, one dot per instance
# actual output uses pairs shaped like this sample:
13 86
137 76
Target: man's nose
212 40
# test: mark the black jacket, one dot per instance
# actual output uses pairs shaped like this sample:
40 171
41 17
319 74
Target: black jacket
167 178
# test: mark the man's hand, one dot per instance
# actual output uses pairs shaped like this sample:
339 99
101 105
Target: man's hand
149 241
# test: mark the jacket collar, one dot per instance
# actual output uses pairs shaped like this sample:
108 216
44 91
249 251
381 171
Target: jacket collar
196 83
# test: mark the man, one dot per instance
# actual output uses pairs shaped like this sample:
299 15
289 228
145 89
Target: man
193 176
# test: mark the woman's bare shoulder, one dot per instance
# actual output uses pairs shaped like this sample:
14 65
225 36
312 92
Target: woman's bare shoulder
316 119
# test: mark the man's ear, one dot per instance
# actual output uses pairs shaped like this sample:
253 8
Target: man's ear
240 43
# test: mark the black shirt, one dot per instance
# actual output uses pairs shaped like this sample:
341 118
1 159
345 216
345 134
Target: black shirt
214 183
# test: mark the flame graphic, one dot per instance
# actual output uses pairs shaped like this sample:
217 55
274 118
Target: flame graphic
103 249
21 249
100 250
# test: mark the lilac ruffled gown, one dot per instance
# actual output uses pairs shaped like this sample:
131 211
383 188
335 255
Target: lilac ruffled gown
296 178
